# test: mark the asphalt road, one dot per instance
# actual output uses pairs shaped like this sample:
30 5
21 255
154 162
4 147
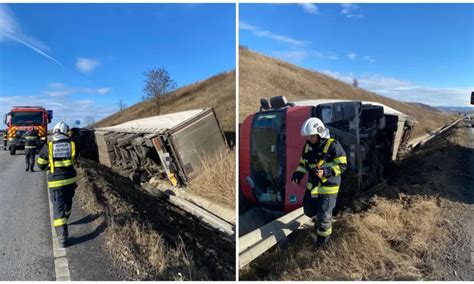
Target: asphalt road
26 248
25 231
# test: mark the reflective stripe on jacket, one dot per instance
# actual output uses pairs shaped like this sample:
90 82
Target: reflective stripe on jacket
329 156
58 158
31 141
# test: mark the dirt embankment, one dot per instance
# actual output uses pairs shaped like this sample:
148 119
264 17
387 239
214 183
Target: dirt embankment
415 229
264 77
217 91
149 238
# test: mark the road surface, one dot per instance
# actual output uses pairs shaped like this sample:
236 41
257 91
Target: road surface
26 247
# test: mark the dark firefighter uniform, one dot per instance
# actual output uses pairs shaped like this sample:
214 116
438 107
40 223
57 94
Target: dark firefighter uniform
321 194
31 142
58 156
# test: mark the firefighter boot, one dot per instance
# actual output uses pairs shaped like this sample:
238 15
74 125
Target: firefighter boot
62 233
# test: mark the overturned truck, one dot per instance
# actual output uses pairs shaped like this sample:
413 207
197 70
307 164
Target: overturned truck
373 136
169 148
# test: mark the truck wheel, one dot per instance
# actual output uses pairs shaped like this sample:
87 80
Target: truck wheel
12 151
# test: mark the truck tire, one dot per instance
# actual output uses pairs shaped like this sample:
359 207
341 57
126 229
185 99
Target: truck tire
12 151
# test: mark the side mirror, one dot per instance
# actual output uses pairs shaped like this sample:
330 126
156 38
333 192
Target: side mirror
264 105
278 102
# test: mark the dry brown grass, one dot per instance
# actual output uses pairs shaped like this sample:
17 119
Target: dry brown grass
391 241
140 245
142 250
217 180
147 237
265 77
217 91
414 230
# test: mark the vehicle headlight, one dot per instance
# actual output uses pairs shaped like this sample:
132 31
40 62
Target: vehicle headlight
43 138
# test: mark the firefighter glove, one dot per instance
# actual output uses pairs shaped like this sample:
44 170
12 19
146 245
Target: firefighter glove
297 176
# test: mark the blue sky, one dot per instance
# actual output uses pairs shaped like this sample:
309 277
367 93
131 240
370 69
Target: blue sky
410 52
91 55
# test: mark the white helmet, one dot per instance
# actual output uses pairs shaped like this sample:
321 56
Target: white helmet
314 126
62 128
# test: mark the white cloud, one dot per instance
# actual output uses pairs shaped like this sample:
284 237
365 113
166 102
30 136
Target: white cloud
343 77
352 55
407 91
370 58
257 31
310 8
298 56
325 55
104 91
86 65
10 30
59 90
351 11
58 93
294 56
56 85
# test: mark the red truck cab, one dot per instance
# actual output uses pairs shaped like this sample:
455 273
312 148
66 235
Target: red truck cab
23 118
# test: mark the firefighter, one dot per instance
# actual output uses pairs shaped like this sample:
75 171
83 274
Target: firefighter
324 160
31 142
57 156
5 140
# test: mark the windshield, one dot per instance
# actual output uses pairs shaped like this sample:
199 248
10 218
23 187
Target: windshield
26 118
266 153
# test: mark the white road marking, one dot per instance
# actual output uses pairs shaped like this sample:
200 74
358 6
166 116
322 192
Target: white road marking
61 267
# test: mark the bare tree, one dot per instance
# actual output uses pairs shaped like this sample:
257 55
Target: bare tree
158 83
89 121
121 105
355 83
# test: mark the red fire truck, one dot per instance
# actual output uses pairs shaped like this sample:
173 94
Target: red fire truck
23 118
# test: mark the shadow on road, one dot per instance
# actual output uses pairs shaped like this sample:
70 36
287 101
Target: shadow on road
87 237
88 219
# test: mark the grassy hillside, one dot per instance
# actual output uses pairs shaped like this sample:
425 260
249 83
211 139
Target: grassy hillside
427 107
265 77
217 92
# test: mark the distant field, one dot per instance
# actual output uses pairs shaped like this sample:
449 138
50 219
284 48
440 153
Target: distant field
264 77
